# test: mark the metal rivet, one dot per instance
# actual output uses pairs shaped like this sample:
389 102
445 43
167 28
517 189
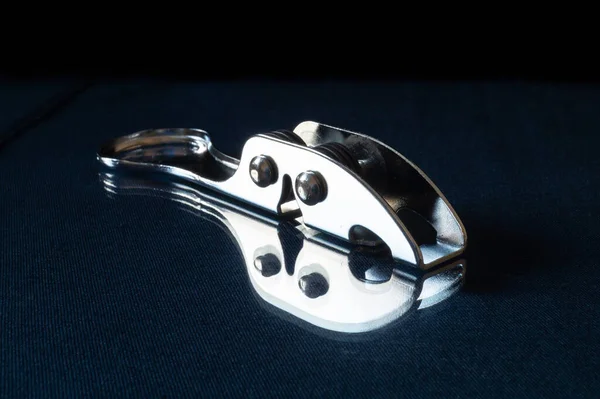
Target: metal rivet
263 171
313 285
268 265
310 187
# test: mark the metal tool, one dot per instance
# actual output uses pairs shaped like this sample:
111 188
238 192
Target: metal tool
327 283
343 183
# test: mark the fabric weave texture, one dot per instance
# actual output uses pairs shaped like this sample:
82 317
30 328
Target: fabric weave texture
133 297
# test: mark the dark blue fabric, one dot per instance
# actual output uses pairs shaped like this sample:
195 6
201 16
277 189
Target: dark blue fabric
19 101
133 297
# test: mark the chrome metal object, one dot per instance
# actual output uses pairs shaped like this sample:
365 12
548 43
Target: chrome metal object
299 271
343 183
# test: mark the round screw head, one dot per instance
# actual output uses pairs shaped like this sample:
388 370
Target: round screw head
310 187
313 285
263 171
268 265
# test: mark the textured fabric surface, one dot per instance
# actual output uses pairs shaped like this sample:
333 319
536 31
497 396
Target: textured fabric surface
22 104
133 297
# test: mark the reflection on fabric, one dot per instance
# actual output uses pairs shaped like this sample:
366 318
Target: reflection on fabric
319 280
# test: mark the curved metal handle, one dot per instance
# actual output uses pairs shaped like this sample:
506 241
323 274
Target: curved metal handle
187 153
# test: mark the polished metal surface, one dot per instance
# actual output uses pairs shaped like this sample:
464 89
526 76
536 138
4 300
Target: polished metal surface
310 187
324 282
343 183
404 187
263 171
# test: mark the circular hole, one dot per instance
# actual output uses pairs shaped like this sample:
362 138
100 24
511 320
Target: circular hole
313 285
